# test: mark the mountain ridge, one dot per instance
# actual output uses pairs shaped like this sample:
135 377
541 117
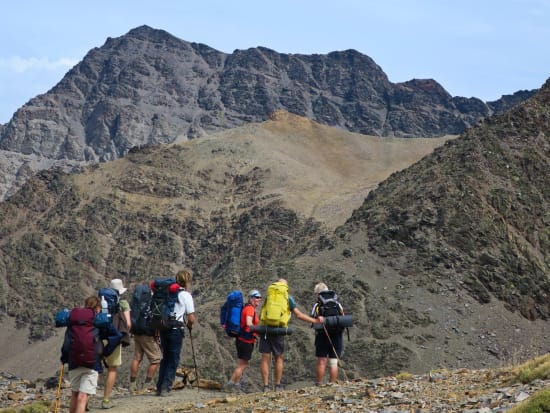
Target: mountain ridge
149 87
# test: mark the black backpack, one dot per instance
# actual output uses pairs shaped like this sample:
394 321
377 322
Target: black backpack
329 306
140 311
163 301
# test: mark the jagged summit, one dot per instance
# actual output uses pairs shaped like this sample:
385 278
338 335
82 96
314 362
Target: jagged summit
149 87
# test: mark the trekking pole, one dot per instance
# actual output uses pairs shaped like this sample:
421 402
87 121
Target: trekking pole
58 395
335 353
194 359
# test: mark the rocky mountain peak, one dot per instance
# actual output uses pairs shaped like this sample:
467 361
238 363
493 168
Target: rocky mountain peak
148 87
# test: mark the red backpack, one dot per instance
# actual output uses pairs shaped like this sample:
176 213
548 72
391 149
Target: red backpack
83 341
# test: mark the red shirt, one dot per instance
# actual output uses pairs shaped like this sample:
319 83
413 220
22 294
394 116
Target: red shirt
248 311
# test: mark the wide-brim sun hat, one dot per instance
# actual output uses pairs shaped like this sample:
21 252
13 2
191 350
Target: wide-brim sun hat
118 285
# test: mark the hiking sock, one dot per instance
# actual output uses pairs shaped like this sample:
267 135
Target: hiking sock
132 379
148 380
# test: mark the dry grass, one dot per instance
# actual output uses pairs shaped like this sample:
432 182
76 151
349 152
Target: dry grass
316 170
537 368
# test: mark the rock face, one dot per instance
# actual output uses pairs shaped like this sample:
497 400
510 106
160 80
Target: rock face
148 87
443 265
236 208
474 213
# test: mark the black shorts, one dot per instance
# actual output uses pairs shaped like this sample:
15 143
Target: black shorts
272 344
244 350
329 348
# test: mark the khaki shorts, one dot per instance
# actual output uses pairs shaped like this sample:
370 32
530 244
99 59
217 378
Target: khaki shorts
147 345
83 379
115 358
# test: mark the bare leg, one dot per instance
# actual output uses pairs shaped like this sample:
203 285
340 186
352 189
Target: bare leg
333 370
74 397
151 370
81 400
278 369
134 367
264 367
321 366
109 382
238 373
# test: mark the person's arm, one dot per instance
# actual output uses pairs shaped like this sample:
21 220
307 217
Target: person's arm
305 317
128 319
189 306
190 320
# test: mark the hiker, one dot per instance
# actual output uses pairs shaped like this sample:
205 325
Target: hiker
171 339
274 344
328 341
244 342
81 352
114 360
146 341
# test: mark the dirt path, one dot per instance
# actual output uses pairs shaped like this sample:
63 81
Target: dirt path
178 399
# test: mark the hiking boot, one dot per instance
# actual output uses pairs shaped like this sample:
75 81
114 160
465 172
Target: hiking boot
107 404
133 387
279 387
230 386
164 393
266 388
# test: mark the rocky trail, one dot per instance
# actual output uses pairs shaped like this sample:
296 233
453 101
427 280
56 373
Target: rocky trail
463 390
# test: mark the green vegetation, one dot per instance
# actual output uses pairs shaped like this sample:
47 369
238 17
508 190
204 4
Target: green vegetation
537 368
404 375
37 407
538 403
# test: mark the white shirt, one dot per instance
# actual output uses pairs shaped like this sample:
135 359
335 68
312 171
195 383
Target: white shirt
184 305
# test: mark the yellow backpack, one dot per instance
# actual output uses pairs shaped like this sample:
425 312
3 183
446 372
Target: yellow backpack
275 310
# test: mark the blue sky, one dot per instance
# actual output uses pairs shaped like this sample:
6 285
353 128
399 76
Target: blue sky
481 48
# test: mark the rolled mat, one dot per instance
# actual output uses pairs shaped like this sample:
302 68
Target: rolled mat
274 331
335 321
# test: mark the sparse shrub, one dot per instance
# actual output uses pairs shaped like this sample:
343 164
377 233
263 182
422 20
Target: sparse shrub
403 376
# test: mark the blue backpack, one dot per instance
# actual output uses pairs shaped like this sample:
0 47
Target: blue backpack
230 313
112 297
163 302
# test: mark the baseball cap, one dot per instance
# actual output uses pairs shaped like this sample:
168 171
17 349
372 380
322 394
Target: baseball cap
255 294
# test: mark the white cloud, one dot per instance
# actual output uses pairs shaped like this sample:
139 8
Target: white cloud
19 64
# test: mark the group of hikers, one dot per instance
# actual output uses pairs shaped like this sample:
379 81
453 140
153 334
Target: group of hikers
157 318
272 328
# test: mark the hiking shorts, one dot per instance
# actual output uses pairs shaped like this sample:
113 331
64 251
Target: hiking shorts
272 344
115 358
148 346
244 350
328 348
83 379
